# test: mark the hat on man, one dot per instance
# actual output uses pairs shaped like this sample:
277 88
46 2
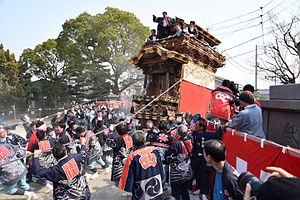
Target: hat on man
247 97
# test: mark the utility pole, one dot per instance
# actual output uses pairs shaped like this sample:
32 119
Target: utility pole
275 76
256 65
262 28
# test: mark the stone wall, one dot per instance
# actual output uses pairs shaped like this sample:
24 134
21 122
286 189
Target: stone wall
281 115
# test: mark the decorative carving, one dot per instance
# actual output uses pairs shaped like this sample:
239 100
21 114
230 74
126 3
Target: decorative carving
199 76
289 135
189 46
168 60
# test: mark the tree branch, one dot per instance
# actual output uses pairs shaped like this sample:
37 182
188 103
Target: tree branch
288 34
281 58
130 83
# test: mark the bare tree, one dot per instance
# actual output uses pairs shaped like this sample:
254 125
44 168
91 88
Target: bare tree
282 54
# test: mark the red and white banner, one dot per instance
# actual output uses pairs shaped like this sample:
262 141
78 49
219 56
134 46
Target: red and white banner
246 154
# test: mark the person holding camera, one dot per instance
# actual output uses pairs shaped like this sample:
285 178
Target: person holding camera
281 185
225 177
222 103
248 120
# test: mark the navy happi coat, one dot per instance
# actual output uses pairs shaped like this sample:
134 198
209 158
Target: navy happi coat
142 174
67 176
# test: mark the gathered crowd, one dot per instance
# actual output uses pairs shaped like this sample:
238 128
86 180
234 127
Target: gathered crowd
167 26
164 160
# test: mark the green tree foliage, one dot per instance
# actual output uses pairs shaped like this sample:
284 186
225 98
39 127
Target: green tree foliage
44 62
9 78
87 60
101 45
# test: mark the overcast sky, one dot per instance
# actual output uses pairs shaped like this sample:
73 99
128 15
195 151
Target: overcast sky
24 24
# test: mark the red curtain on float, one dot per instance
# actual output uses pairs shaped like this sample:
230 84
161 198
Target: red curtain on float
194 98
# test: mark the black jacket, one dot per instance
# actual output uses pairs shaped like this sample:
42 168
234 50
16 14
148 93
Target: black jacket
229 181
194 31
151 38
198 160
95 121
160 20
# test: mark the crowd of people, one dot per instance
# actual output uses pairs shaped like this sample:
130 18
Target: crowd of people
167 26
170 159
238 110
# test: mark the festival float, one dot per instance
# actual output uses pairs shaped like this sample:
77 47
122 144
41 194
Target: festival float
164 62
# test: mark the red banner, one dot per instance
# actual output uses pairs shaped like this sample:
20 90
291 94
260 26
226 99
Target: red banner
194 98
246 154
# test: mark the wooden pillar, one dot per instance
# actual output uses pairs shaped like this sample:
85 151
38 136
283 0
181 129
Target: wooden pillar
167 81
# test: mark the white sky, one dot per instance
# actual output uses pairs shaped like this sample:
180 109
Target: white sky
24 24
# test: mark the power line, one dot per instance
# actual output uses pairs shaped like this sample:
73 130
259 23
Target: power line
261 23
242 68
243 43
268 4
254 11
252 26
235 56
243 15
241 29
252 19
276 6
281 10
249 71
250 40
228 26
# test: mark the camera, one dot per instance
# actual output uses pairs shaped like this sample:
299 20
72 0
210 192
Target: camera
247 177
